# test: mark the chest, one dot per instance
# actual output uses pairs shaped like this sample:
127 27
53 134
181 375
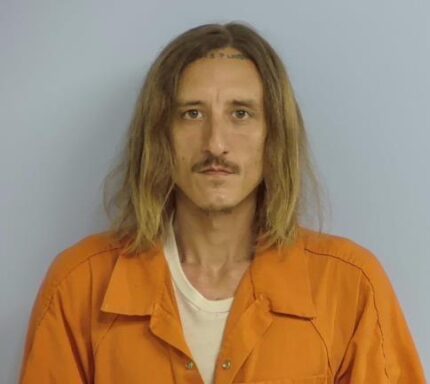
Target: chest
261 348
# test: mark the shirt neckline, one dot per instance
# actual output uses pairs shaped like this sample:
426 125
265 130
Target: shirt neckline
181 281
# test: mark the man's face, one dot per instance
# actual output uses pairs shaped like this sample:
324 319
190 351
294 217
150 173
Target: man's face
218 131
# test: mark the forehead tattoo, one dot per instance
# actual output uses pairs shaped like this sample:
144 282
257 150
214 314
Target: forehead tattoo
222 55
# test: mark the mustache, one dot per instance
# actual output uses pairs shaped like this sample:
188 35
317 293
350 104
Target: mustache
212 161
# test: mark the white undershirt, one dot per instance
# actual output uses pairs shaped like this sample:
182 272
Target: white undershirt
203 320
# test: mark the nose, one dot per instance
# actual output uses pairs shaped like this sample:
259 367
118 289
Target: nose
215 140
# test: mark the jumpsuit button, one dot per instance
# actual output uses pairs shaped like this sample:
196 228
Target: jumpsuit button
226 364
190 365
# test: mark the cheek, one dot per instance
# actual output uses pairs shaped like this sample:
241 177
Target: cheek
253 164
180 152
182 164
254 150
260 151
185 144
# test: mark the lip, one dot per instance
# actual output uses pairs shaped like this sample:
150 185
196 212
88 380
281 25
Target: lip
213 172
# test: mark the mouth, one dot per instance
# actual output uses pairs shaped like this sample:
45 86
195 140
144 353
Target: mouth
216 172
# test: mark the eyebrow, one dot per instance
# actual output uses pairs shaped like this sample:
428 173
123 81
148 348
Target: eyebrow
249 103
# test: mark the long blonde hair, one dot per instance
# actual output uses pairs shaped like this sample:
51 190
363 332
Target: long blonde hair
140 206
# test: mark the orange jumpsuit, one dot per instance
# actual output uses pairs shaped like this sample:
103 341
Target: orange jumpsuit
320 311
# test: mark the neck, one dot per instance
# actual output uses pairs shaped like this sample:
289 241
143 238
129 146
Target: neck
214 240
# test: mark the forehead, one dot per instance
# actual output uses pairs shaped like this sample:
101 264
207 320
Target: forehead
225 72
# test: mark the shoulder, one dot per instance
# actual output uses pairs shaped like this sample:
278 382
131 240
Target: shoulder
79 253
73 272
342 252
344 274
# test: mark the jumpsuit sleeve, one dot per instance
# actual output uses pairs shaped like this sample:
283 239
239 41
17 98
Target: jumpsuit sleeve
381 348
57 349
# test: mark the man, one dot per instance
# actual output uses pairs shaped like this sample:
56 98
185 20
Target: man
206 275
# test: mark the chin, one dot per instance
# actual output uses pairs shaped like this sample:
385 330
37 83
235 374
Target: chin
213 207
218 209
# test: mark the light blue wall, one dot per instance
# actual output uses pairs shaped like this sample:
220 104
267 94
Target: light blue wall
69 75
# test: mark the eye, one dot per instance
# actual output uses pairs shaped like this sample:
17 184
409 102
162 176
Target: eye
191 114
241 114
